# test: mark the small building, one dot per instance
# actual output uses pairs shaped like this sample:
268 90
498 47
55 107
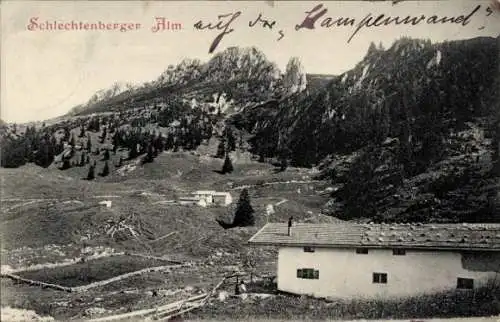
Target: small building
192 201
212 197
206 195
222 198
348 260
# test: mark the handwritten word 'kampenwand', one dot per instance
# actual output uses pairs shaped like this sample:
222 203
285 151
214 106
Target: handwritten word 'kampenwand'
379 21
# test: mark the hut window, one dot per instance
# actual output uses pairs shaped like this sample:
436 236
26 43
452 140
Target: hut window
380 278
465 283
308 273
399 252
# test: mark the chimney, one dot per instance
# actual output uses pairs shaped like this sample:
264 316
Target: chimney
290 221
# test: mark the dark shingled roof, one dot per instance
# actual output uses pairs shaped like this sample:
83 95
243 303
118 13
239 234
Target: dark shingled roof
409 236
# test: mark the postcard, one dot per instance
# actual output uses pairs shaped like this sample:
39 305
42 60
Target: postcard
250 160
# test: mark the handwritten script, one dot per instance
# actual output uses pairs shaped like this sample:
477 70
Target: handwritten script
318 17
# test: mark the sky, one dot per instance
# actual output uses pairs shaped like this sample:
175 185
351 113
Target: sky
45 73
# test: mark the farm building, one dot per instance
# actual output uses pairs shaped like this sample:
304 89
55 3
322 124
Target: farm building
214 198
192 201
381 261
222 198
207 195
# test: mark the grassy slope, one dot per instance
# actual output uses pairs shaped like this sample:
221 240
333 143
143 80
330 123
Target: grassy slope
57 216
75 211
74 215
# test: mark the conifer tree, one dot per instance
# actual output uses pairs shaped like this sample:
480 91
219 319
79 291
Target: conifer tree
221 149
283 159
283 155
283 164
495 143
160 143
231 141
82 160
67 134
89 144
149 155
133 150
82 132
105 169
244 215
58 147
91 175
227 167
240 142
261 157
45 153
103 136
66 164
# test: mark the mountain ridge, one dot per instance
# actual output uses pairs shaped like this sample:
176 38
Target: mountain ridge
411 117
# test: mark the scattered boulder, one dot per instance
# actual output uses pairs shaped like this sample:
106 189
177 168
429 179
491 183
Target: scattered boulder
260 296
95 311
6 269
106 203
230 268
223 295
12 314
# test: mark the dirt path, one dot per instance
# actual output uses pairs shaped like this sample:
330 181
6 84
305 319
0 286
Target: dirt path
24 203
275 183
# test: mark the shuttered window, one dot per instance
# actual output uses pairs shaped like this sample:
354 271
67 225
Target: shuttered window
380 278
308 273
